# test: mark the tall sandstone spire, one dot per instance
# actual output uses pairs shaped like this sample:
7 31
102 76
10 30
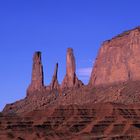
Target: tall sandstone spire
118 59
37 80
70 80
54 83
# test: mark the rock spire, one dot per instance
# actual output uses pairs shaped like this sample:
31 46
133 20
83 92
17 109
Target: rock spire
70 79
37 79
54 83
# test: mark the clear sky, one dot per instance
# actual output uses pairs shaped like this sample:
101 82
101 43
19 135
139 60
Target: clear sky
51 26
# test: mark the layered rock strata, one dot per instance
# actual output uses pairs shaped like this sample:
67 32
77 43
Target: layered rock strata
106 121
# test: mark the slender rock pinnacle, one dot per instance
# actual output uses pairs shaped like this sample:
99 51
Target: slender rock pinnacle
54 83
37 80
70 80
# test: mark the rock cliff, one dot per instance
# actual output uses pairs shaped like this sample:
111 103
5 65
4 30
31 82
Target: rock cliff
118 59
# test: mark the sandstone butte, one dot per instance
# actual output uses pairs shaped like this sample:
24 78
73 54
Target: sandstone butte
108 108
118 59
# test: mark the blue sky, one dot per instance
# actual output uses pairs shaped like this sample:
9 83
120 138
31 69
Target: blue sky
51 26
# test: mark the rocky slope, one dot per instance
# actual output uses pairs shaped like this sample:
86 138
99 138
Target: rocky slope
124 93
74 122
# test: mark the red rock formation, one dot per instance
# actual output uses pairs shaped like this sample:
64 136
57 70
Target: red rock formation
37 80
54 83
70 80
106 121
118 59
100 112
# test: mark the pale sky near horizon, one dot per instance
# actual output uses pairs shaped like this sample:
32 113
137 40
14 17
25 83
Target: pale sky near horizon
51 26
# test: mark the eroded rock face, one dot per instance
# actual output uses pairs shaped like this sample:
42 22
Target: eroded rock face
118 59
70 80
54 83
106 121
37 80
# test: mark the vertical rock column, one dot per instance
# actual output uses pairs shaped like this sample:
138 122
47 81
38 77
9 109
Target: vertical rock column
54 83
70 79
37 80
